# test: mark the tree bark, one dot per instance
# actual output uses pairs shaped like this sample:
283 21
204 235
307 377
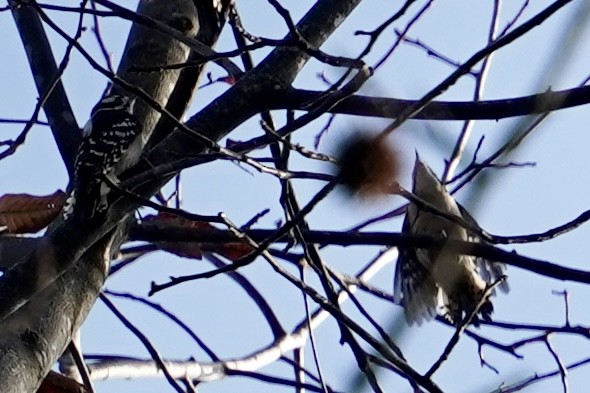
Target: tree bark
46 293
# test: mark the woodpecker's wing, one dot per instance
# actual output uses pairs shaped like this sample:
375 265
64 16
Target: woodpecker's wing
108 135
490 271
413 286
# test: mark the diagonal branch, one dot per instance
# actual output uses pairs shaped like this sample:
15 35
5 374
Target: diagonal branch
44 69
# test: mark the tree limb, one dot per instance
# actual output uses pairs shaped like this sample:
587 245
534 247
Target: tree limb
46 293
360 105
44 69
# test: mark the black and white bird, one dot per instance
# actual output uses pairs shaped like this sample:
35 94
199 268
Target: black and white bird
439 281
104 152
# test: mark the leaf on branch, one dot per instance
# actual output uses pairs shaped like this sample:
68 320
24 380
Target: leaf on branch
190 250
194 250
24 213
58 383
230 80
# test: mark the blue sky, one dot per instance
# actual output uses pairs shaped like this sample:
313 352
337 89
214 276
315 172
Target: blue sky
516 201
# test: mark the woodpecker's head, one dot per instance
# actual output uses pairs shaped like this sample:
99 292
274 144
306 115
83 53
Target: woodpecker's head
425 181
115 102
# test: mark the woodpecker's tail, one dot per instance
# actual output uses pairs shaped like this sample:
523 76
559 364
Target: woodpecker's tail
461 305
83 205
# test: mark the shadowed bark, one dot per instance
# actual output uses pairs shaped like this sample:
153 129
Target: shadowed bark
46 294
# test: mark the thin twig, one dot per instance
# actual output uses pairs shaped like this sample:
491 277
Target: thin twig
562 369
82 367
168 315
145 341
462 327
472 61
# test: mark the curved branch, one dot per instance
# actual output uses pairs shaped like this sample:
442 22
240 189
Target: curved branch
207 371
544 268
361 105
506 39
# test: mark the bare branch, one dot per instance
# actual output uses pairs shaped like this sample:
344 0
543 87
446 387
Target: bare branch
360 105
47 78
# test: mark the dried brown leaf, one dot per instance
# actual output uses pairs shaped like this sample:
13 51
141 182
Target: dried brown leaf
24 213
58 383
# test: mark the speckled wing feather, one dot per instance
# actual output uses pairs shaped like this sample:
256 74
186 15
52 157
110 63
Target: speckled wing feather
414 287
489 270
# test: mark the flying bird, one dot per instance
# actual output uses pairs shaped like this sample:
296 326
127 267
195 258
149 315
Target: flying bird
435 281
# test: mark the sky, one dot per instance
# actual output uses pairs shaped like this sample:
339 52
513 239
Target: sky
515 201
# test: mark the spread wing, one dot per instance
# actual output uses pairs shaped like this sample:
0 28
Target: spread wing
490 271
413 285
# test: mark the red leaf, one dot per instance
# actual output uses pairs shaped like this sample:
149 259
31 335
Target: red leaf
163 221
191 250
230 80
